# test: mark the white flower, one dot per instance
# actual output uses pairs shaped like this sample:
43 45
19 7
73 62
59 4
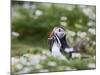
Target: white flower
28 63
44 70
88 11
81 34
15 34
90 23
35 59
38 66
94 57
63 18
38 13
33 7
14 60
91 65
71 33
43 57
26 5
63 23
19 66
27 55
78 26
91 30
25 70
94 43
52 63
76 55
29 59
44 52
23 60
69 68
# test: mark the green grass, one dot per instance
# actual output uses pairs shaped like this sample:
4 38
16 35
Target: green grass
21 48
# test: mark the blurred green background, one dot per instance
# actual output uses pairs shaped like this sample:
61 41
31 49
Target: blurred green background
32 21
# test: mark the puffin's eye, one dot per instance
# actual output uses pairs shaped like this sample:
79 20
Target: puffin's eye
59 30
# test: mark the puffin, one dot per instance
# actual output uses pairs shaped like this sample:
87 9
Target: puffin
58 44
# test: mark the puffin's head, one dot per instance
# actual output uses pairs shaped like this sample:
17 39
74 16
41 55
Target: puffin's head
59 31
57 34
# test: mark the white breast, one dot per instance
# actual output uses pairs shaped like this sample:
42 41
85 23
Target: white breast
56 51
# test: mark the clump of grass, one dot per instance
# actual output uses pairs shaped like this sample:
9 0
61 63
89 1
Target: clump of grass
79 64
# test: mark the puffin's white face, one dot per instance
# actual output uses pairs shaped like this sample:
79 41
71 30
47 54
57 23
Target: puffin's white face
60 32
